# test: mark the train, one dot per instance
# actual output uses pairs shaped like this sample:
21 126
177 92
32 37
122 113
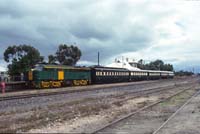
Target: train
55 76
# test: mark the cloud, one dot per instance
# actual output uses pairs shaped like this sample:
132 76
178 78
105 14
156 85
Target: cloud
140 29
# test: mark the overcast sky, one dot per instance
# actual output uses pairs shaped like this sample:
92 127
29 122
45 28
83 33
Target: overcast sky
139 29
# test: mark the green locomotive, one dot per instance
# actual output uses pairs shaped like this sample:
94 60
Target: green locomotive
47 76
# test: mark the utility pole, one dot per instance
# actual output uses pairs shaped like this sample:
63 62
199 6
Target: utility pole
122 61
98 58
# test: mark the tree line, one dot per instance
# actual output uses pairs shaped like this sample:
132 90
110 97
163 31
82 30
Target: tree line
184 73
155 65
22 58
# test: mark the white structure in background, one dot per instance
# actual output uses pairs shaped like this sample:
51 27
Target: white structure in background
127 63
3 74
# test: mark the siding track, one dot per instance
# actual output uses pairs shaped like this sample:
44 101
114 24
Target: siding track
123 119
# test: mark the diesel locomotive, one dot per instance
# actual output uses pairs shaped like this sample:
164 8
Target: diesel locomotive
54 76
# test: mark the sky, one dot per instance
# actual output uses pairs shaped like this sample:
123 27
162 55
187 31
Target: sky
137 29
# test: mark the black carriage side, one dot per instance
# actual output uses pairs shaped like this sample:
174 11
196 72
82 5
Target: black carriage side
109 75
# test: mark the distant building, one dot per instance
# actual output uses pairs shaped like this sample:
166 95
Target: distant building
132 62
121 63
3 74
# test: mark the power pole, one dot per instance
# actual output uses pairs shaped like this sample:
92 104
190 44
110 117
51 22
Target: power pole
98 58
122 61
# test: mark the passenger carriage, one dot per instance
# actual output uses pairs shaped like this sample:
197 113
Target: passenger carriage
109 75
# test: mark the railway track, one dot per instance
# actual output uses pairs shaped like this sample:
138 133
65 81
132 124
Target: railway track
36 93
136 93
45 92
123 119
175 113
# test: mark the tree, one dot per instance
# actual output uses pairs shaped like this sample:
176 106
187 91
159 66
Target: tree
68 55
51 59
21 58
141 64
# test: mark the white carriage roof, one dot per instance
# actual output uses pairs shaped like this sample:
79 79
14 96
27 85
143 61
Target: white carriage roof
125 65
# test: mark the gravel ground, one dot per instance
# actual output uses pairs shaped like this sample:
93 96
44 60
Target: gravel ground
29 103
75 112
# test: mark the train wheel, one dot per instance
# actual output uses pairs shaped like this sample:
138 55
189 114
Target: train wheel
76 82
45 84
56 84
83 82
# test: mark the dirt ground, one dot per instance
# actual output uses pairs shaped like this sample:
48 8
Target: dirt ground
147 121
187 121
